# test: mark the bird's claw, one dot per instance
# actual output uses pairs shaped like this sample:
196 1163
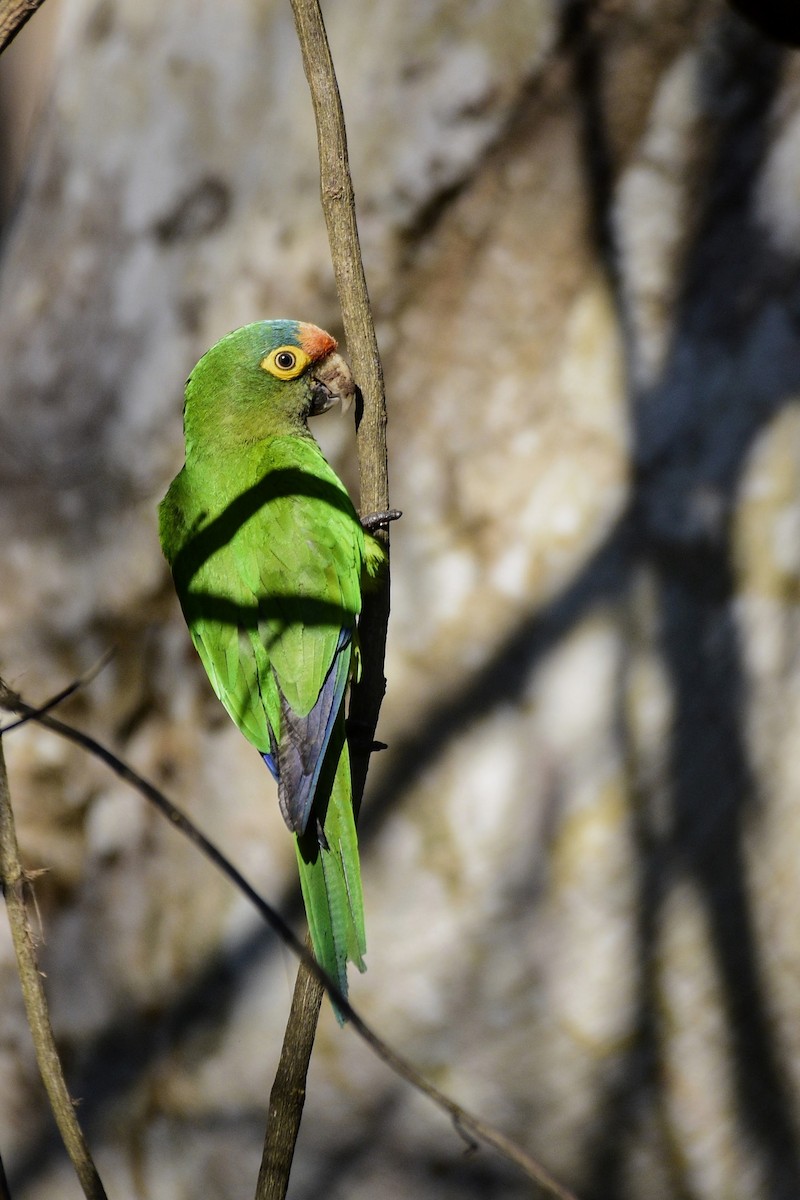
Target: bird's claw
380 520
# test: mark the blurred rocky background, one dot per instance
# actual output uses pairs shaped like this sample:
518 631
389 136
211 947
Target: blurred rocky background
581 227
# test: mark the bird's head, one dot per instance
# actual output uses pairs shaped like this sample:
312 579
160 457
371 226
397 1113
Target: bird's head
265 379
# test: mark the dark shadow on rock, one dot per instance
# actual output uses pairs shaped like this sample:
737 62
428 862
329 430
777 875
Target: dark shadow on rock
734 362
691 442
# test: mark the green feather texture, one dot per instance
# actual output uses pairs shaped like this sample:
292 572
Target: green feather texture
269 559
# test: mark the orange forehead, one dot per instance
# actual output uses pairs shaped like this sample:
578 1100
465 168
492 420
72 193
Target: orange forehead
315 341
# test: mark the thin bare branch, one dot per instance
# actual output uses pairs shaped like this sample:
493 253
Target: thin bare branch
464 1122
288 1094
338 205
13 15
13 703
14 886
61 696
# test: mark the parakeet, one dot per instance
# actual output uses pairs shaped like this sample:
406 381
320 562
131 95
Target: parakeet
269 558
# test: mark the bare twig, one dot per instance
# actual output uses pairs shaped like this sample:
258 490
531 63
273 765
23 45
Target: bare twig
338 205
12 702
467 1125
61 696
289 1087
14 885
13 15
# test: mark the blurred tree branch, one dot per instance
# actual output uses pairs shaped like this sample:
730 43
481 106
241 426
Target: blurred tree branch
13 15
14 885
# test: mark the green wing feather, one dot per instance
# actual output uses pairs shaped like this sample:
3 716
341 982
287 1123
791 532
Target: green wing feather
268 558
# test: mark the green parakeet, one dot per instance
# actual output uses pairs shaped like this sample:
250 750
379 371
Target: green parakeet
269 557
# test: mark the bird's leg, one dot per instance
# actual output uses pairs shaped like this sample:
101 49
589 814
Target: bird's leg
380 520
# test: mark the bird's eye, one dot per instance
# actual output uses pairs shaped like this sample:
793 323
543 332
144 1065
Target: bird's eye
286 362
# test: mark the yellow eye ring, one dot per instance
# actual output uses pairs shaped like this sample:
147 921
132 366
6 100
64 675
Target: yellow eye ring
287 362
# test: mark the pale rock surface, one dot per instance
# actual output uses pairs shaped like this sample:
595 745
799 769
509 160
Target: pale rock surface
580 851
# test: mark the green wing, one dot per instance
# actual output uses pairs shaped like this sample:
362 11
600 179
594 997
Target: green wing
268 570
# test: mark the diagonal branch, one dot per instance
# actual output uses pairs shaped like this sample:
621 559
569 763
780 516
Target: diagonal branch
469 1126
61 696
13 15
14 885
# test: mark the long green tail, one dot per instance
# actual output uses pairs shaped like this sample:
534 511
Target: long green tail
330 875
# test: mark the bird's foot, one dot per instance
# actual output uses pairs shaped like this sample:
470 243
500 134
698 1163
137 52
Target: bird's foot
380 520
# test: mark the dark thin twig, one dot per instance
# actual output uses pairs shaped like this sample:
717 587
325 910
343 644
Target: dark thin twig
11 701
14 886
61 696
463 1121
13 15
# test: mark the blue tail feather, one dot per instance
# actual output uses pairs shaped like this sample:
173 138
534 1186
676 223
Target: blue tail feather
270 761
295 763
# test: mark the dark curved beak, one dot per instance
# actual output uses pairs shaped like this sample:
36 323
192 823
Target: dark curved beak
331 380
